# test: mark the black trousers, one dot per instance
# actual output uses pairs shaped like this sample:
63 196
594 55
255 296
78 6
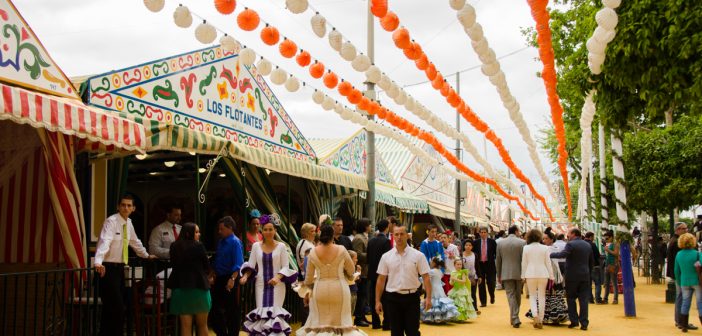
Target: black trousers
488 276
403 311
226 310
112 296
473 291
580 291
361 302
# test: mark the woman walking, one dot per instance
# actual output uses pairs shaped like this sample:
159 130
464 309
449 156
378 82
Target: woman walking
686 277
537 269
189 282
611 267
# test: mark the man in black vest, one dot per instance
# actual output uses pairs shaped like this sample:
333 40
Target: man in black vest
377 246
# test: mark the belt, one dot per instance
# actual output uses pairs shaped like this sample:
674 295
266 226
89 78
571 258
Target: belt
405 291
111 264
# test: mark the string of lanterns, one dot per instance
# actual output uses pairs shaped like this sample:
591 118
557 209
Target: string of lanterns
413 51
491 68
362 63
541 16
607 20
249 20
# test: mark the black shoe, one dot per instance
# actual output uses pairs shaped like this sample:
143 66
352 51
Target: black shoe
573 325
483 305
583 327
492 300
692 327
376 327
592 301
516 325
386 328
361 323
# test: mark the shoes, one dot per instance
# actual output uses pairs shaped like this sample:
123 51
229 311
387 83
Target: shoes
516 325
573 325
583 327
361 323
691 326
615 301
478 312
592 301
540 326
600 301
483 305
386 328
684 322
492 300
376 327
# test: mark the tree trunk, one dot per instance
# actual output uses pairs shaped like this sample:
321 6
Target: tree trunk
655 258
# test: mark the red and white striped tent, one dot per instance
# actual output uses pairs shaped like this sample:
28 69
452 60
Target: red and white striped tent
41 130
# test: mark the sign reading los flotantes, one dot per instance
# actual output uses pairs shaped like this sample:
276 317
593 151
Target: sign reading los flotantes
23 59
207 90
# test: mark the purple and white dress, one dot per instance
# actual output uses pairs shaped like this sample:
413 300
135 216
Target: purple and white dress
269 317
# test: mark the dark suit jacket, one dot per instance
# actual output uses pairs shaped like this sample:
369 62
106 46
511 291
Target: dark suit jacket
491 254
344 241
595 253
190 265
670 255
377 246
579 260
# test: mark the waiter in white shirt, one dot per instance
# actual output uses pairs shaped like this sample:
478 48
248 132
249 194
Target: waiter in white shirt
110 258
401 267
163 235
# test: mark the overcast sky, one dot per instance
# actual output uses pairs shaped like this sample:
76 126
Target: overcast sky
92 37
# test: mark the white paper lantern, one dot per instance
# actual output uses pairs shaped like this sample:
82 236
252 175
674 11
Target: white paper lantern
205 33
348 51
384 82
409 104
373 74
401 99
318 97
182 17
466 16
292 84
335 39
347 114
595 46
264 67
394 91
154 5
595 68
475 32
607 18
604 36
361 63
611 3
480 46
228 43
328 103
488 56
279 76
247 56
457 4
296 6
338 108
490 69
498 78
319 25
596 58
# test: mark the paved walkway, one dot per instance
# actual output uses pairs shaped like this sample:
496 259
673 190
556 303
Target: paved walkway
654 316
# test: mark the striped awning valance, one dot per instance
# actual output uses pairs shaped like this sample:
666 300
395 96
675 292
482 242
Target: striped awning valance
400 199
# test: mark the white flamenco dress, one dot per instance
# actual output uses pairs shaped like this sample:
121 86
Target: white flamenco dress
442 307
269 317
330 298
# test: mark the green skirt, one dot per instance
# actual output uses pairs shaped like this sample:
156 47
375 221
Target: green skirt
188 301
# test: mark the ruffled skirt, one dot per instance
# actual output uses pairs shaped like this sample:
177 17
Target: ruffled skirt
463 302
442 310
268 321
556 309
330 331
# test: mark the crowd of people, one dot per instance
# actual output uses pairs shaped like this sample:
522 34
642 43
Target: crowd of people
341 279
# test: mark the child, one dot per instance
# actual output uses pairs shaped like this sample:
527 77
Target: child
353 284
442 308
460 294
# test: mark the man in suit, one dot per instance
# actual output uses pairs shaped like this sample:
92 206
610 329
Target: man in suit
377 246
579 264
485 249
360 246
509 271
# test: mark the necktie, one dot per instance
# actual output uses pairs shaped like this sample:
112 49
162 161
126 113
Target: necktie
175 232
483 250
125 244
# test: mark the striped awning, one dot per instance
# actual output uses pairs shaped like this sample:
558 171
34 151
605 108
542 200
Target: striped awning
446 211
400 199
70 117
161 136
396 156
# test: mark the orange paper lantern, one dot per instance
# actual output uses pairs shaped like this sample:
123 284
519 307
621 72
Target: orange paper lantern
287 48
355 97
344 88
401 37
270 35
330 80
422 62
225 6
383 113
445 89
303 58
430 71
317 70
390 21
379 8
364 104
248 19
413 52
438 82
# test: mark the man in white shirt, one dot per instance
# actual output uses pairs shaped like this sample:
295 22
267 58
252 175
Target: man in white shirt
110 258
401 267
163 235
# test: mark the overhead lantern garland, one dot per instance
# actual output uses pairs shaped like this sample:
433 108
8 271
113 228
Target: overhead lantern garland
402 40
541 16
491 68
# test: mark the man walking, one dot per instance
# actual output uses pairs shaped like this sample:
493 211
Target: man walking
360 246
485 249
401 267
111 256
163 235
596 274
431 247
226 313
579 263
509 271
377 246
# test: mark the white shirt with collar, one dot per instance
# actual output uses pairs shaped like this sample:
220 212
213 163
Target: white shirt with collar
109 247
161 239
451 252
403 270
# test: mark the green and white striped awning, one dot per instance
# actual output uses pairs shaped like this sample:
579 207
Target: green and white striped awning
162 136
400 199
396 156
